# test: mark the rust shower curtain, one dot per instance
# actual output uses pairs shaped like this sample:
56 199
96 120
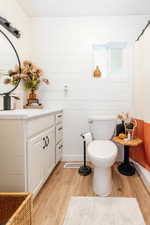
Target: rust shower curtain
141 153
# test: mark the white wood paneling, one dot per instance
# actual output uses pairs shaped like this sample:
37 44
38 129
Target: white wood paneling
63 48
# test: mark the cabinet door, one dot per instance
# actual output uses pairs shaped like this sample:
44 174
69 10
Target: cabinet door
41 159
35 163
49 151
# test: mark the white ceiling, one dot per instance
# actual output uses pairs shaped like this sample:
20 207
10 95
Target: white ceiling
64 8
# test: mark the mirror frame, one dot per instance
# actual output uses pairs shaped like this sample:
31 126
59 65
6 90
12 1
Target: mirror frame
19 62
6 95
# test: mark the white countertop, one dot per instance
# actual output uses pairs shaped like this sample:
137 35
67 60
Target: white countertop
26 113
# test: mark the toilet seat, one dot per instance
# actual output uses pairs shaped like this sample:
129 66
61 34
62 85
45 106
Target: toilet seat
101 149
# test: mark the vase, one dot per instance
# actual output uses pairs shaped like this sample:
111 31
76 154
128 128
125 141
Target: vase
120 128
32 95
19 92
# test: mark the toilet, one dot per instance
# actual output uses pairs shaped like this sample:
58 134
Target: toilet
102 152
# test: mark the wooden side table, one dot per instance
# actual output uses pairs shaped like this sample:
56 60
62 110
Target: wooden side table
126 167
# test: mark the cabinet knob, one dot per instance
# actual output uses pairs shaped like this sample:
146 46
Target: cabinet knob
47 143
60 128
60 147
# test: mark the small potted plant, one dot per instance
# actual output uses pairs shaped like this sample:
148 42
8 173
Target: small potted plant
31 77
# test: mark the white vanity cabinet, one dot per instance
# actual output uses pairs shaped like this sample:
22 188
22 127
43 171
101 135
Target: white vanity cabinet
28 148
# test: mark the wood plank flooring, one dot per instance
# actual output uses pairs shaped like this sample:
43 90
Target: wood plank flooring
52 202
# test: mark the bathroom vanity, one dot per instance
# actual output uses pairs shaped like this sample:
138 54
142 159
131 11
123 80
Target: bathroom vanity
31 144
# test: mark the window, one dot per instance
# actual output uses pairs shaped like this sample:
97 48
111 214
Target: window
110 58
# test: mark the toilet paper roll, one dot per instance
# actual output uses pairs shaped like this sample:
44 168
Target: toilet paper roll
88 138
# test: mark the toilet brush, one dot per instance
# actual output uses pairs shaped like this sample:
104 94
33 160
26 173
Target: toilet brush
84 170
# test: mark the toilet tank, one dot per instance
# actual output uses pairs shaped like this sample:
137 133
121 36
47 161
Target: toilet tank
102 127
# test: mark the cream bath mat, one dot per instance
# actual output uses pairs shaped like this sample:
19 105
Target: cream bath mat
103 211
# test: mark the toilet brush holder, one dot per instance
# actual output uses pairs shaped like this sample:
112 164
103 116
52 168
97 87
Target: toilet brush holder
84 170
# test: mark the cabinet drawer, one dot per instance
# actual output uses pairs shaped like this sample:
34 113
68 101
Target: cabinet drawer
59 118
39 124
59 132
59 152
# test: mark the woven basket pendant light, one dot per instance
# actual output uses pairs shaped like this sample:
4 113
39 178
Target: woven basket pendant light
97 72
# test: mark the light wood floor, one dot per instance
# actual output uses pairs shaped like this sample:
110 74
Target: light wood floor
51 204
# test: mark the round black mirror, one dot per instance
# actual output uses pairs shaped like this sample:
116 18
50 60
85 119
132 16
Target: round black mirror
9 59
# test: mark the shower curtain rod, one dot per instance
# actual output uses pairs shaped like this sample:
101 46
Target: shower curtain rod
143 31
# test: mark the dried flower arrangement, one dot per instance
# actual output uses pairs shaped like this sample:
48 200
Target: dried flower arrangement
124 117
29 74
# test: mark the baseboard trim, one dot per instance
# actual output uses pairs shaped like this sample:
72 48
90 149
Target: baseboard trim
144 174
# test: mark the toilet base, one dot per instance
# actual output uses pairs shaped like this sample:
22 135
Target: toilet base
102 181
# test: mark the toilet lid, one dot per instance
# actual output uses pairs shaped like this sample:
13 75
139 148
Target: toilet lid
102 149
